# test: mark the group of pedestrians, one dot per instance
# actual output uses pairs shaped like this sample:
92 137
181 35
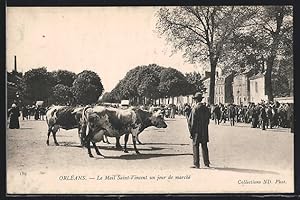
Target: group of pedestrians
262 115
37 112
14 112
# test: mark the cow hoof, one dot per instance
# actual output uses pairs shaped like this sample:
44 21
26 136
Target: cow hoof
137 152
56 144
91 156
47 143
125 151
119 147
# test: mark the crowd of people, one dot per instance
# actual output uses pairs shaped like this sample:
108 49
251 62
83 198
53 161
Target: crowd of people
262 115
36 112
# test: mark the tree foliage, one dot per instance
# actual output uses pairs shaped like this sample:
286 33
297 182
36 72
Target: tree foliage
64 77
38 84
139 82
196 83
172 83
87 87
62 95
266 41
202 31
151 81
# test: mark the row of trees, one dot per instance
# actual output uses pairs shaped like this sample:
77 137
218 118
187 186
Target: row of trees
60 87
153 82
233 37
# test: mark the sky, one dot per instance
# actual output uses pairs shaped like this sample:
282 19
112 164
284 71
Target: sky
107 40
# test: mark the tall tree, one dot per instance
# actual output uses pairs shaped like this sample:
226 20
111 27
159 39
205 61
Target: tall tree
264 42
195 80
87 87
62 95
275 22
202 32
172 83
64 77
38 84
139 82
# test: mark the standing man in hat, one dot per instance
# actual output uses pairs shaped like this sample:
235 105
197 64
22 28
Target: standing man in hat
198 126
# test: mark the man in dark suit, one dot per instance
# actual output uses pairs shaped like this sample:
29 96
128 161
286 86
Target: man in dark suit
198 126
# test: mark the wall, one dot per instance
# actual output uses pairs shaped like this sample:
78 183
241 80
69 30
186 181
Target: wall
257 90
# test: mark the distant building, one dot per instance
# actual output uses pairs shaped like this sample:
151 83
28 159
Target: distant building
223 89
257 88
206 83
241 87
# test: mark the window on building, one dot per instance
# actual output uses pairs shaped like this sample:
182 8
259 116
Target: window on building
256 89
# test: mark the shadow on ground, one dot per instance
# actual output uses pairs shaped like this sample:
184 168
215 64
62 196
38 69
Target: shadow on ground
141 156
161 143
111 147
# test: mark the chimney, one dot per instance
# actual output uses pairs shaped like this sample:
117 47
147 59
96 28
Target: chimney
15 63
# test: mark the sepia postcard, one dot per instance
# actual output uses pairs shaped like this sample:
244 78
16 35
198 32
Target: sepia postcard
149 100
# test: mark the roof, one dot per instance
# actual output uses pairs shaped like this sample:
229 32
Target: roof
259 75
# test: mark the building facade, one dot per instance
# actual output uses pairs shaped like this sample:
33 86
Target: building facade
223 89
206 83
241 88
257 88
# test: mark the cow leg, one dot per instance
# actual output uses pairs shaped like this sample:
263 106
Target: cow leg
118 145
54 131
89 149
125 141
82 134
96 149
134 144
49 132
54 137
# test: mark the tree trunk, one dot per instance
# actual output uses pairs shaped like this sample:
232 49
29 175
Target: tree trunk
268 79
213 66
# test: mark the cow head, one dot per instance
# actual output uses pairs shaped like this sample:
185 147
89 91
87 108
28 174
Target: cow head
157 120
